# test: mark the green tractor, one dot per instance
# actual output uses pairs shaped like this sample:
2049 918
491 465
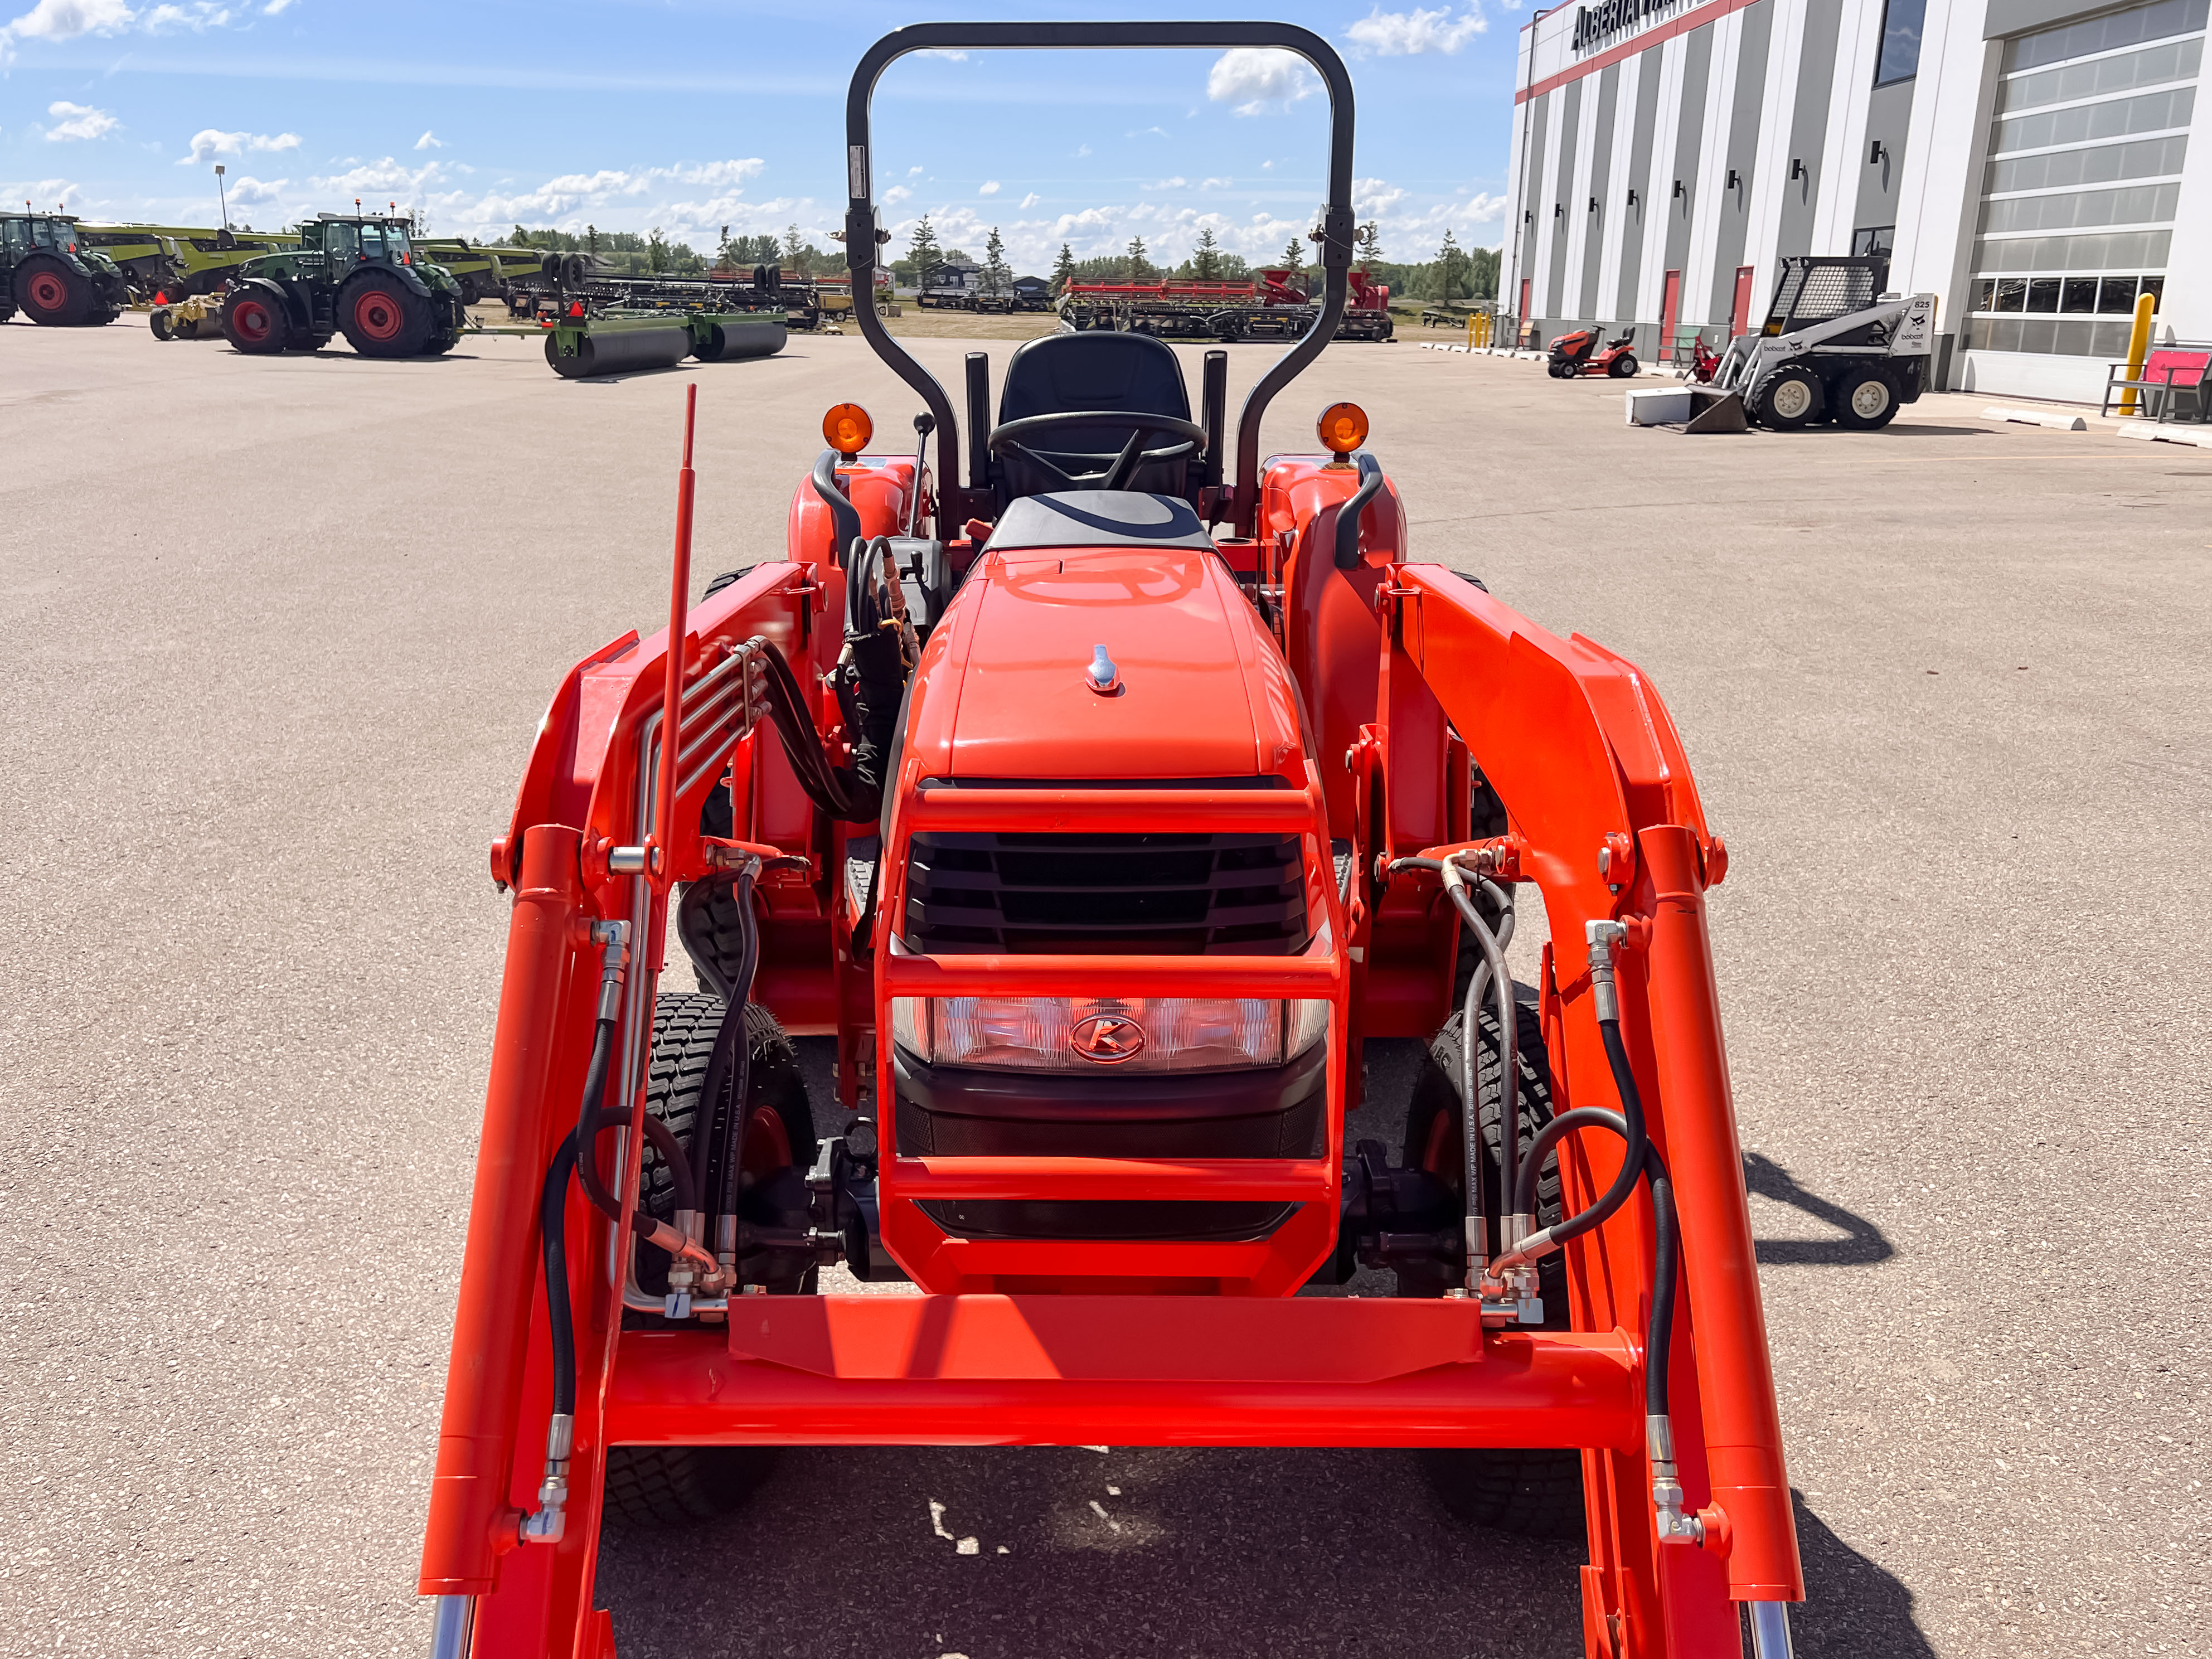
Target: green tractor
48 270
359 276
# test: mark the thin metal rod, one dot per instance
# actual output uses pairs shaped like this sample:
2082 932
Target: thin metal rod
1770 1630
451 1626
662 865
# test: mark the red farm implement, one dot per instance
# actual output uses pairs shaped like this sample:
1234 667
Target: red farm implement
1274 306
1101 791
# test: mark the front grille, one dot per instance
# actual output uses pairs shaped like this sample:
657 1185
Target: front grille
1195 895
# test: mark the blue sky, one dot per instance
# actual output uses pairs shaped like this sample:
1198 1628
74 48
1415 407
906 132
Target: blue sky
689 115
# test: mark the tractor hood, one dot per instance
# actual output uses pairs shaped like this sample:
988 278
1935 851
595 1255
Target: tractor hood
1202 691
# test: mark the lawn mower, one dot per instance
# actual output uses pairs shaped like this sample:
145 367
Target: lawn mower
1577 353
1101 790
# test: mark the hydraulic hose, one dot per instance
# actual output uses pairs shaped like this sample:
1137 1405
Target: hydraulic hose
1513 1222
844 517
583 1143
553 1238
732 1059
1348 516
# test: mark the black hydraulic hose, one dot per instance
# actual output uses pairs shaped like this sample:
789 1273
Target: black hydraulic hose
1666 1255
670 1150
818 779
588 1112
733 1042
1348 516
553 1238
844 517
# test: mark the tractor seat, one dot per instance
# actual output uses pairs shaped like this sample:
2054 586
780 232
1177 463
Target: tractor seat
1098 370
1098 517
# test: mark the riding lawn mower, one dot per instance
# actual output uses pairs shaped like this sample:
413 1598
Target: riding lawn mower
1577 353
1102 789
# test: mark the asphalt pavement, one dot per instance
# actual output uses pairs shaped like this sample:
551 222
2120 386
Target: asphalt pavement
279 633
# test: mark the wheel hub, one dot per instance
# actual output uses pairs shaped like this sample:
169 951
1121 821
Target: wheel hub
377 315
1792 398
1869 398
48 292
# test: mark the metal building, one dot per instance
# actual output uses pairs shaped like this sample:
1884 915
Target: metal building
2027 162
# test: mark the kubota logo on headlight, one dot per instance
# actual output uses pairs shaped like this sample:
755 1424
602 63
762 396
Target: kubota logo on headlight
1108 1039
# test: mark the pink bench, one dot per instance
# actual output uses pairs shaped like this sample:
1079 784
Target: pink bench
2169 374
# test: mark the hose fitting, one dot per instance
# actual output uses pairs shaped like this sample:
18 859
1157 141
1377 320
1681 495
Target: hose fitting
613 938
1603 936
550 1519
1674 1525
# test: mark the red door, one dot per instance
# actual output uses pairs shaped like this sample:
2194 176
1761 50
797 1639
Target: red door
1521 334
1669 309
1740 321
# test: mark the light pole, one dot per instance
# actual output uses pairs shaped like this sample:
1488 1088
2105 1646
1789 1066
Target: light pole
223 200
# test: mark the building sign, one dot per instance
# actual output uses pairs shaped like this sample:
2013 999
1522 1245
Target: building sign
1596 26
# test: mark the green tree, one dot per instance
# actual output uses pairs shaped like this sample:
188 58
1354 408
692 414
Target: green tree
1206 258
996 278
923 252
794 249
656 252
1370 246
1294 255
1447 275
1141 268
1063 270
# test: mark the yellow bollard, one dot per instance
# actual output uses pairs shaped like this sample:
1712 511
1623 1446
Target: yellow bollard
2138 348
1470 331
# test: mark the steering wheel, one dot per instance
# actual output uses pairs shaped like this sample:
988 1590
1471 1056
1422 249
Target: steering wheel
1014 435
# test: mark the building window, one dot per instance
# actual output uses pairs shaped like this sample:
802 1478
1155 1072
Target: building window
1901 21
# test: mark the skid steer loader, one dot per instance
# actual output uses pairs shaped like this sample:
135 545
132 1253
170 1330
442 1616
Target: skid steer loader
1829 350
1101 789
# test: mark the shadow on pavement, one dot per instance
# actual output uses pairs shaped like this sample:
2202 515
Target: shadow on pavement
1852 1605
1863 1243
1214 1553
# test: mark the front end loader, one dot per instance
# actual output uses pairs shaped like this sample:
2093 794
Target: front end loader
1101 790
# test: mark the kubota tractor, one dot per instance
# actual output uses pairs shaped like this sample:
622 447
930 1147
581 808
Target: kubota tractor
1101 790
50 272
360 276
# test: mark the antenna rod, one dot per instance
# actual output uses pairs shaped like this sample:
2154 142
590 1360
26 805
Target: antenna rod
679 606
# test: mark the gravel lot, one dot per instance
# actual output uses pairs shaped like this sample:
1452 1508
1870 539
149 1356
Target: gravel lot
280 632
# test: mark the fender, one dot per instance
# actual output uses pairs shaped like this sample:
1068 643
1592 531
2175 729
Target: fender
282 292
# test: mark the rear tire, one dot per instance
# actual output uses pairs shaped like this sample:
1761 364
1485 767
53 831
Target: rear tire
1623 367
1536 1491
382 317
255 324
662 1486
51 293
1866 400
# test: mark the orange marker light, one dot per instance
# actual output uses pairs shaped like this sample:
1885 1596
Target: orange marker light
1343 429
847 428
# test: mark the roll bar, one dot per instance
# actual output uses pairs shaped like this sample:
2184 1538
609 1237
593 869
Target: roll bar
863 234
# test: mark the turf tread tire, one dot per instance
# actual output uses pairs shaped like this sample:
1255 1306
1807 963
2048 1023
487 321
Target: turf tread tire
1533 1492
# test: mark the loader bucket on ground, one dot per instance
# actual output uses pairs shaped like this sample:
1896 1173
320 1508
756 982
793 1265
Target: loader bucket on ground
1716 411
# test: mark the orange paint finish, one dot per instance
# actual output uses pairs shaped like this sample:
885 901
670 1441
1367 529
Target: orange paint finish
877 485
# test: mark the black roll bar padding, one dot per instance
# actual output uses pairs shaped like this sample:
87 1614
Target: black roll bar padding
844 517
1348 516
978 422
1213 412
1336 227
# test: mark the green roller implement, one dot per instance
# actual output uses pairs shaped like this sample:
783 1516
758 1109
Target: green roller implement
617 343
358 276
49 272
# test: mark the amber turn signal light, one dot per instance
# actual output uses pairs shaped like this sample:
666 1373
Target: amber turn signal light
1343 429
847 428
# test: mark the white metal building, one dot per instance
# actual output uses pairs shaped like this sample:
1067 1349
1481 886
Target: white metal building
2027 162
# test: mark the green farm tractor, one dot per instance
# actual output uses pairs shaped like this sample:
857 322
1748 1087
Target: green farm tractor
48 271
359 276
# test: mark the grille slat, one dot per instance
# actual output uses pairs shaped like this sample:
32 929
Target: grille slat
1167 895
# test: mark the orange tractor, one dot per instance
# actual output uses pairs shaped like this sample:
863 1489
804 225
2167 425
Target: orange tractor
1101 790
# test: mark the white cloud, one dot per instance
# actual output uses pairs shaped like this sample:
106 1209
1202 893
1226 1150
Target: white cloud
429 141
716 175
65 20
990 187
49 194
209 142
1372 198
77 121
1169 184
199 16
945 52
276 8
254 192
913 173
1409 34
1251 78
1030 201
1082 150
892 197
1215 184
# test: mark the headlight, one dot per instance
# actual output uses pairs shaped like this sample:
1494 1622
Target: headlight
1127 1033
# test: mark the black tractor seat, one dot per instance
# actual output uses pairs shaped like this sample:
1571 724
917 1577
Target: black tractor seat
1098 517
1103 371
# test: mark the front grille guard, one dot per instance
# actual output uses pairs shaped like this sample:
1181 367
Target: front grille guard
938 1260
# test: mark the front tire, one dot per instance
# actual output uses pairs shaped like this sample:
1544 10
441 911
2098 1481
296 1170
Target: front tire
1789 400
666 1487
254 324
382 317
1536 1491
1866 400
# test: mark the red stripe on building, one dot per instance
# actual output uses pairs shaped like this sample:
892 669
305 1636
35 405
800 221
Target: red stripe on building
1696 18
